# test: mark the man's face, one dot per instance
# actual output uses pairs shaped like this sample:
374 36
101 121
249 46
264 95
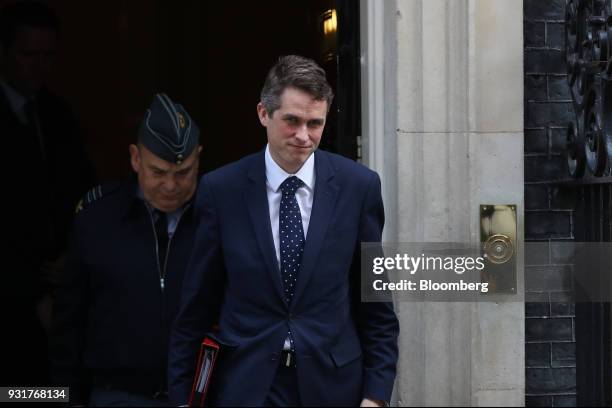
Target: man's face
294 129
29 59
166 186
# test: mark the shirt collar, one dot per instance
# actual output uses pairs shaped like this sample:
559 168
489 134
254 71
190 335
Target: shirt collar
276 175
174 214
15 99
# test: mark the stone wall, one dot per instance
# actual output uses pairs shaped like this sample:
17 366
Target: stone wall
443 123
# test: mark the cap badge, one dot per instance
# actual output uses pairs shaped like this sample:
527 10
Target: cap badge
181 120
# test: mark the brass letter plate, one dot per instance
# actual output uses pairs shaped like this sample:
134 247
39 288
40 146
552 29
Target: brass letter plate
498 239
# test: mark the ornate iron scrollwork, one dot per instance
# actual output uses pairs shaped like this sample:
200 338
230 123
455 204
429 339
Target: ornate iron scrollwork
588 50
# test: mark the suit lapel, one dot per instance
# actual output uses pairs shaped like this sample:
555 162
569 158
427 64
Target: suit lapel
6 113
256 198
325 193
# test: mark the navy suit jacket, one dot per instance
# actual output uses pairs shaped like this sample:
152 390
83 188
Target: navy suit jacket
345 349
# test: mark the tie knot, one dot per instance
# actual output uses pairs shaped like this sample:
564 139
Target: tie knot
291 185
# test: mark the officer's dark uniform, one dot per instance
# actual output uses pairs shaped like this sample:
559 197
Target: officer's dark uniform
118 300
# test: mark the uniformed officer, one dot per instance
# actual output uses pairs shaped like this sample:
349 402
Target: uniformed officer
131 243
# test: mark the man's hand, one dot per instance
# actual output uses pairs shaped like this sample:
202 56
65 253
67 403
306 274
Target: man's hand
366 402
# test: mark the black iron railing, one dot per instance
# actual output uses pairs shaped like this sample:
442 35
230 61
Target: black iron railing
588 35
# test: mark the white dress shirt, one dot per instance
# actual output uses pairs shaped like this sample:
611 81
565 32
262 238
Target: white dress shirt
275 176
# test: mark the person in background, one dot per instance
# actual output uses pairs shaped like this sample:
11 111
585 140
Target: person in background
47 171
130 247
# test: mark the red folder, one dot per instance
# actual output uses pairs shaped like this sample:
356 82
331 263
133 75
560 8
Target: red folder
206 363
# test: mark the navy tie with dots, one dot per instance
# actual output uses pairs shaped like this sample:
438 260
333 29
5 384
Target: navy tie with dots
291 235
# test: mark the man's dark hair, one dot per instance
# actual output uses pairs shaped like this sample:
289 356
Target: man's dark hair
25 14
293 71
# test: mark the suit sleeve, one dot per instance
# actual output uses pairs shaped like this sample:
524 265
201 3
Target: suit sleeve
201 297
376 321
69 323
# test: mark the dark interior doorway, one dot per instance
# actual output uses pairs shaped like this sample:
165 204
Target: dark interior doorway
211 57
241 45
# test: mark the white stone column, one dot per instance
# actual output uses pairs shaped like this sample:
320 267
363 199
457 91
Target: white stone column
443 125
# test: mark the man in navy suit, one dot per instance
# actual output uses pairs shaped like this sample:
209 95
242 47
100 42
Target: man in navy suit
276 264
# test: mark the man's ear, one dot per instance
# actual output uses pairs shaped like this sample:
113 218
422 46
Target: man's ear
263 114
135 158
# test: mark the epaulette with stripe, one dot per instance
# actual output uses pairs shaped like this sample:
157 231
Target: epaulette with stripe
95 194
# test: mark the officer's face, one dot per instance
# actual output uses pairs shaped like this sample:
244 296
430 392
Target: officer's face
294 130
166 186
28 60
